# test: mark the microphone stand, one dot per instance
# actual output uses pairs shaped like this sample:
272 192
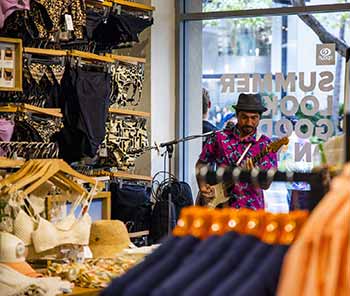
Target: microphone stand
169 148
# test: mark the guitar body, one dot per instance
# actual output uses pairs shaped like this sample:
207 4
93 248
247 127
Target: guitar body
220 197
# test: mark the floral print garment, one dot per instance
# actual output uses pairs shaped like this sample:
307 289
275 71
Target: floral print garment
225 148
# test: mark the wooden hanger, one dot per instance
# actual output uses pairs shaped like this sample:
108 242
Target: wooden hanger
21 172
60 166
38 170
10 163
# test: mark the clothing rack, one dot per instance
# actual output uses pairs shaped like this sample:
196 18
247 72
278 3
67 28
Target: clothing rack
318 180
109 58
22 107
129 112
127 4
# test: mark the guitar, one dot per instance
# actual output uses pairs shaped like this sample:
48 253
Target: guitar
220 189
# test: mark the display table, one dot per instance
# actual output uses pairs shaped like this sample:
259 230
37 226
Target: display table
84 291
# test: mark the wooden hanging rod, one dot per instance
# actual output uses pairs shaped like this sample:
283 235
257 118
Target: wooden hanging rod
129 112
43 51
12 108
134 5
128 4
127 59
110 58
126 176
10 163
90 56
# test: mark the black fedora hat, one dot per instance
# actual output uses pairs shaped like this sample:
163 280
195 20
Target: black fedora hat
250 102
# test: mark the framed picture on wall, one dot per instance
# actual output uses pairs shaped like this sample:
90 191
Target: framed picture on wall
10 64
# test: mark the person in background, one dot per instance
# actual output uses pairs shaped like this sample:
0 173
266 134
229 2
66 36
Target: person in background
225 148
207 125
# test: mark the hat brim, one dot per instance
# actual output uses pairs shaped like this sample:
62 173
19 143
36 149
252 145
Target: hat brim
107 251
249 108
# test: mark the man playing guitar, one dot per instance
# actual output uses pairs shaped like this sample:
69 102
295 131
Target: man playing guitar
225 148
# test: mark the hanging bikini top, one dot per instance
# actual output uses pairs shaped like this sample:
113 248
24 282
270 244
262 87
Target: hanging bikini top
70 230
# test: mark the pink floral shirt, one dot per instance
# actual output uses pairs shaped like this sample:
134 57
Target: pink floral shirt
225 148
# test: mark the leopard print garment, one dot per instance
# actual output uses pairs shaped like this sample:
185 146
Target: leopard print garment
125 138
45 127
56 10
127 82
35 86
37 71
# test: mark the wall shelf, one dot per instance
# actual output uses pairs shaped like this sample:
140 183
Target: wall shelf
127 59
13 108
43 51
129 112
125 176
128 4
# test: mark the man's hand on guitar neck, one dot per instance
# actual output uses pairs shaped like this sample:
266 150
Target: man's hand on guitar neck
207 191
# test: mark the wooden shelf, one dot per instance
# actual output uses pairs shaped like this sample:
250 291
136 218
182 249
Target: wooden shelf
97 3
105 196
10 163
126 176
84 292
127 59
13 108
85 55
90 56
128 4
129 112
134 5
43 51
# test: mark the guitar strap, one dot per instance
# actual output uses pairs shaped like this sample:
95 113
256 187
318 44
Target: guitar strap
245 151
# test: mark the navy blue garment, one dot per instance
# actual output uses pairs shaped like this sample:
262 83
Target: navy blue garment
244 270
163 269
188 272
85 97
264 280
210 279
208 127
117 286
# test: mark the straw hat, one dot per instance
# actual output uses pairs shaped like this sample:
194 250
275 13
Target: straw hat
107 238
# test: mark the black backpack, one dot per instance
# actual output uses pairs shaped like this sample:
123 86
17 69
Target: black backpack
131 204
181 196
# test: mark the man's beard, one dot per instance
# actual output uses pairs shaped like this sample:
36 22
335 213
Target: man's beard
248 129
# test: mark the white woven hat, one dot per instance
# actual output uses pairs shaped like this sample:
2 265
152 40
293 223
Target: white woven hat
12 249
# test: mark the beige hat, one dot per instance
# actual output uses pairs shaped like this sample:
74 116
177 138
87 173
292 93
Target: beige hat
107 238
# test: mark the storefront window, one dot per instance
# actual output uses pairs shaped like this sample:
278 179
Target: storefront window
227 5
300 78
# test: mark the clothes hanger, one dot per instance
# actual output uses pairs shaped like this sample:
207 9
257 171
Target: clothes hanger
20 173
38 171
58 165
23 173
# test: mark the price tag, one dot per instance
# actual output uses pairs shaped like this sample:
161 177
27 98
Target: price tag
69 22
103 151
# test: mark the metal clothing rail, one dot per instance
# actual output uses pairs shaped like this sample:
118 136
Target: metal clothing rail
317 180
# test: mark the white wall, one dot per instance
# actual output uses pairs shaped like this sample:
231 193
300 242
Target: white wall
162 77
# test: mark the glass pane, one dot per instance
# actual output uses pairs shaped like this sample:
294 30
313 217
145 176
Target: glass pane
300 78
226 5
